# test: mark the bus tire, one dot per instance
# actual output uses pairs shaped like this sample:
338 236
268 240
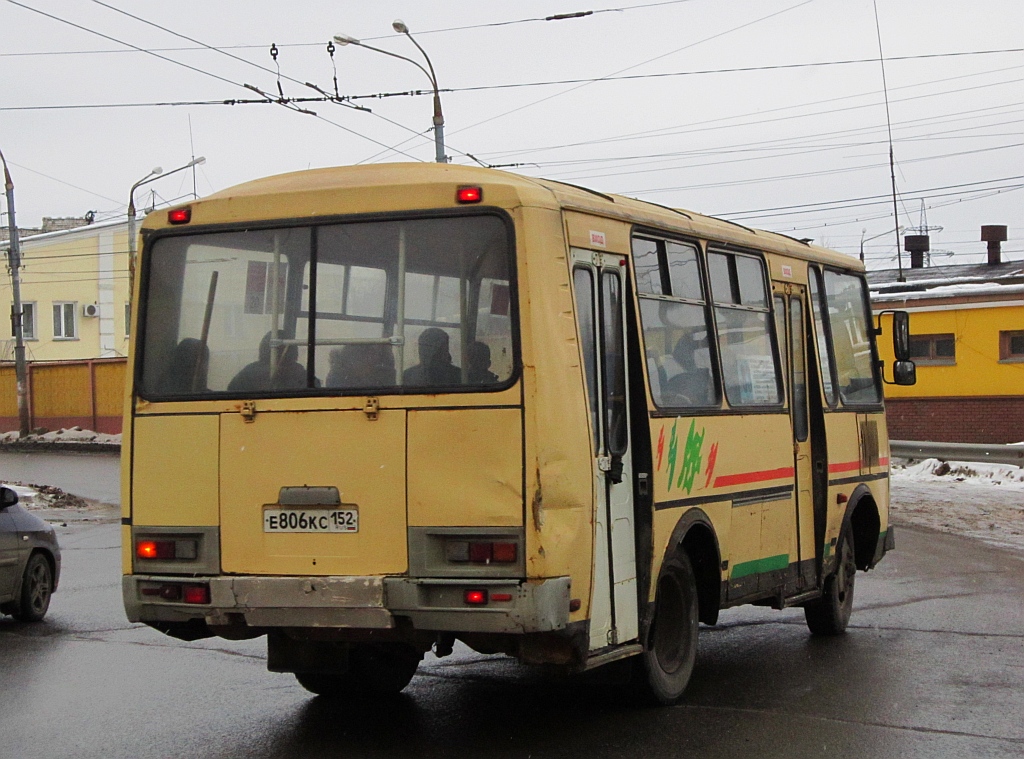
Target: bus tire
671 650
830 614
375 669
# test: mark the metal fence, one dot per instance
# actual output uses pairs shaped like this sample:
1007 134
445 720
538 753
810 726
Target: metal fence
977 452
87 394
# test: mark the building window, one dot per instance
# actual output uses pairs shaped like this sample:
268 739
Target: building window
127 319
935 350
65 324
1011 345
28 321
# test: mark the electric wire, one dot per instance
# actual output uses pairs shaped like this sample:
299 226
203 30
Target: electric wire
620 71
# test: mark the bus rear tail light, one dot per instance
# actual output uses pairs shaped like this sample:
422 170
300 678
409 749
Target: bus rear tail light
193 593
167 549
480 552
155 549
475 597
196 594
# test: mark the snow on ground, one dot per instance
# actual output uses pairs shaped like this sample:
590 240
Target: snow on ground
36 497
981 501
71 435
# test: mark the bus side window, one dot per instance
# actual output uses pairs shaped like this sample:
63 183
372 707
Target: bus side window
739 289
825 358
851 332
676 324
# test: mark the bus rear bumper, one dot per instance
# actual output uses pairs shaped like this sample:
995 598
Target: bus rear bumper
365 603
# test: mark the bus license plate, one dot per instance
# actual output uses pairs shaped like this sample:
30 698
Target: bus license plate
311 520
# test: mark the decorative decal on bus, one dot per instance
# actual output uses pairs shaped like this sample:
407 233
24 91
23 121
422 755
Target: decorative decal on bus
693 457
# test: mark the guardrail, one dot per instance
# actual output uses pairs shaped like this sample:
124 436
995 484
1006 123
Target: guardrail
979 452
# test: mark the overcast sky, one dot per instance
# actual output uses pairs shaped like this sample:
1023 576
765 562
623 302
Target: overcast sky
767 112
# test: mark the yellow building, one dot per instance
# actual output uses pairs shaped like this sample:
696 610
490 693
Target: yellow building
967 339
74 287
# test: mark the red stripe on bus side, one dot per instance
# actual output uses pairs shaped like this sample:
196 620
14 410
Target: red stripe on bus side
883 462
846 466
747 477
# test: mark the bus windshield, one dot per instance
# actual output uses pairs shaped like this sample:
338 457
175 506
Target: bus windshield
412 305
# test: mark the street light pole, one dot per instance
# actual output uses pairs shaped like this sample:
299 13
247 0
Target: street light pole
17 322
152 176
438 119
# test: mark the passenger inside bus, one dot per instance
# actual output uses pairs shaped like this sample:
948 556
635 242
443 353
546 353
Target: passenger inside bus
479 359
288 374
362 365
686 384
435 367
186 372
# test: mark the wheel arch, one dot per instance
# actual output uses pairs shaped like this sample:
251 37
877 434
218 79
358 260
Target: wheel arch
694 535
863 517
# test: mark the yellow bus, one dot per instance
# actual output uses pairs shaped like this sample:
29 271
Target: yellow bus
378 409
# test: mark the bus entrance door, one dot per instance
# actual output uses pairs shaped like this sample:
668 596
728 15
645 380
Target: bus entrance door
802 442
598 281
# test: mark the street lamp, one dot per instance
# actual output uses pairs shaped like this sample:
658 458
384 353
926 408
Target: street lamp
152 176
17 323
400 27
863 239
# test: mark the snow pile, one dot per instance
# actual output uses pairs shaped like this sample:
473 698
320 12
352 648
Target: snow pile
982 501
962 471
34 497
74 435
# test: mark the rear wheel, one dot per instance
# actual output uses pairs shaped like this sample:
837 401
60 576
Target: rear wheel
375 669
671 650
830 614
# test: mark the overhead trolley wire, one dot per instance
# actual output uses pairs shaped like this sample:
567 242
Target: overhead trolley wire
191 68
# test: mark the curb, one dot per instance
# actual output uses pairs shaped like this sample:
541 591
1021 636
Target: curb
59 447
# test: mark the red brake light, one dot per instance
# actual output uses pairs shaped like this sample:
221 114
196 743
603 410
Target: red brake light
469 194
476 597
504 553
501 596
179 215
196 594
155 549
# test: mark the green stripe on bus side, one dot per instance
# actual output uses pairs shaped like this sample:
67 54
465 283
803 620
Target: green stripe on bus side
768 564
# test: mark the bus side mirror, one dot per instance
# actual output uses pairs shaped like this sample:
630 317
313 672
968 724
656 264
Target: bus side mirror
901 336
904 373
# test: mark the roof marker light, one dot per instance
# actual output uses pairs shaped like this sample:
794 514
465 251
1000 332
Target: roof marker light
469 194
179 215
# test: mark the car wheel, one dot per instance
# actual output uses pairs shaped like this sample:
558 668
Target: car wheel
830 614
375 669
36 588
671 650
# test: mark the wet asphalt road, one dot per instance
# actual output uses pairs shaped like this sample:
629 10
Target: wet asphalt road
933 666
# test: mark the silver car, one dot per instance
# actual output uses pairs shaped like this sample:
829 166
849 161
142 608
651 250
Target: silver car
29 560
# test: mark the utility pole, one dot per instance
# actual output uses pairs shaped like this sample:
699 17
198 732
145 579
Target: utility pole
14 260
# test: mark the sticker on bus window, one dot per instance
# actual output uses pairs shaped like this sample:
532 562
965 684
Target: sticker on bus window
597 239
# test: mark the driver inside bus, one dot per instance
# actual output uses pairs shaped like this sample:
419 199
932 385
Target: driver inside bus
435 367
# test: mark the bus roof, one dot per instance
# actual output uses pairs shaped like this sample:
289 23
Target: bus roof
514 189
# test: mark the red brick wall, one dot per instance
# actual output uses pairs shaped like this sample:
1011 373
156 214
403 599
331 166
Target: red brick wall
998 419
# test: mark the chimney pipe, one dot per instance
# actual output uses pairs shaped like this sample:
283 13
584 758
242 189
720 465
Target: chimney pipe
916 246
993 234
